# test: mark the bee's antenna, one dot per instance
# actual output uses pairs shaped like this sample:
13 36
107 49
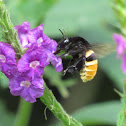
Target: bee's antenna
63 33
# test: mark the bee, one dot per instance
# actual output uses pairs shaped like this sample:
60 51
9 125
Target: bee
84 58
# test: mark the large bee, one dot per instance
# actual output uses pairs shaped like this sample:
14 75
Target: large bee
83 54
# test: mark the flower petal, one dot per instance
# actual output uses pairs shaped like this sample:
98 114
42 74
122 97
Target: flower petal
121 44
26 87
124 63
29 36
57 63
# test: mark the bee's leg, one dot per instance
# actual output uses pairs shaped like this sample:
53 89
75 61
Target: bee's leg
73 60
70 69
76 66
64 55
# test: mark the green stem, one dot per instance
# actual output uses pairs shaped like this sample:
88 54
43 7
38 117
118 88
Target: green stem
23 114
8 31
119 7
53 105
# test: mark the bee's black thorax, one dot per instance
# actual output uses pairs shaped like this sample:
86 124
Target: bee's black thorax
77 43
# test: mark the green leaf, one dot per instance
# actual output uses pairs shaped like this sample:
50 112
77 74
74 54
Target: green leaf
98 114
6 117
101 113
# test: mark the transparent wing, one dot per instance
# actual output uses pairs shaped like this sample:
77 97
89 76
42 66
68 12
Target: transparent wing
103 49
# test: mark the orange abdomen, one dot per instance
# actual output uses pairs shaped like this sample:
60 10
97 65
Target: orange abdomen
89 69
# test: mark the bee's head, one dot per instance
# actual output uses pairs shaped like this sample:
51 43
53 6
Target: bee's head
62 43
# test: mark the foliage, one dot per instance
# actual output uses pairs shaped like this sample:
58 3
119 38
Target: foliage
98 114
89 19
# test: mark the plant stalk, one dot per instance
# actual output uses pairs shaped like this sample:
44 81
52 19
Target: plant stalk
23 114
53 105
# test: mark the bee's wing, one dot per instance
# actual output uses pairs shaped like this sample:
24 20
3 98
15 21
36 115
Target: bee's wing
103 49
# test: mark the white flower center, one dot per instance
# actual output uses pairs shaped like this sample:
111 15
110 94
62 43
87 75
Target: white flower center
34 64
25 83
2 58
24 40
39 41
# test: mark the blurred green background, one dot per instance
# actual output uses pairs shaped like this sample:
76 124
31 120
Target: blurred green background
93 103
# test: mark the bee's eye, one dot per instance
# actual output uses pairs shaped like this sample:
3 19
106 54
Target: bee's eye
66 40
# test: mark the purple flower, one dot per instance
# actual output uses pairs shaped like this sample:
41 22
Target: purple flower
57 63
25 76
29 36
34 61
121 49
49 44
26 87
7 59
121 44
